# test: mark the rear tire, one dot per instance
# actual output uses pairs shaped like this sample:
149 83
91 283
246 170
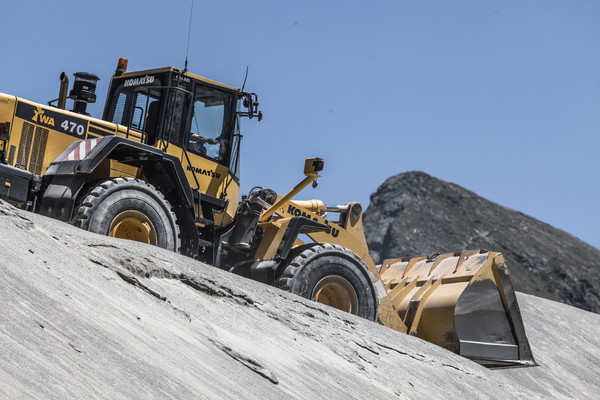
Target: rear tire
130 209
331 275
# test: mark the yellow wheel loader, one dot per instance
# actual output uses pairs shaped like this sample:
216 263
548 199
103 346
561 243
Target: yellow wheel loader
162 167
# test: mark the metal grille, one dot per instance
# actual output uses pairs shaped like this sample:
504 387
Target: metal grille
24 145
11 154
38 150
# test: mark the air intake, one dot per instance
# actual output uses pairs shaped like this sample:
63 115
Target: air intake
84 91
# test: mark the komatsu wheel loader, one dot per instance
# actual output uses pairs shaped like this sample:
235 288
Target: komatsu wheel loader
162 167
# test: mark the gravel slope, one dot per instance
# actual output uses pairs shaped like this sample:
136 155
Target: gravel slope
89 317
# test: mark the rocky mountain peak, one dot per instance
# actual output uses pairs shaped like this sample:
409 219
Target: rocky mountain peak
414 214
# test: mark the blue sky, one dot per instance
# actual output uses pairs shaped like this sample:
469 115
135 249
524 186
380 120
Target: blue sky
500 97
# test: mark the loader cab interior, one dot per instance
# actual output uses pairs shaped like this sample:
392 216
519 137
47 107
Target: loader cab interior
169 108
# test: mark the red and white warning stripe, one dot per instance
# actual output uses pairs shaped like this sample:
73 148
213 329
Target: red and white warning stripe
82 150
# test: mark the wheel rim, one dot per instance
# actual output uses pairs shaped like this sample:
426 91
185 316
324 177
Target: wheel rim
336 292
133 225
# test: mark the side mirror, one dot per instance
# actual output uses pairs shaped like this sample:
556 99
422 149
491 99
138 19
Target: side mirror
250 103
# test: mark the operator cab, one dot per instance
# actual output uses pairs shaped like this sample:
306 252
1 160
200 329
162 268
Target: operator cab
188 116
171 108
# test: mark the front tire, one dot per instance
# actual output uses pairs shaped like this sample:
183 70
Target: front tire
130 209
331 275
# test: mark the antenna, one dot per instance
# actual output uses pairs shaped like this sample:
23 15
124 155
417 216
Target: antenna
246 77
188 41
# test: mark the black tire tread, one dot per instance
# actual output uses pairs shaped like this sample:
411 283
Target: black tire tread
93 194
303 255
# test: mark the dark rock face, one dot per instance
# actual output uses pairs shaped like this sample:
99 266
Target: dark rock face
414 214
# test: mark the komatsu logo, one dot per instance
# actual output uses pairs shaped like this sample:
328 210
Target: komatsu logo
207 172
39 117
296 212
144 80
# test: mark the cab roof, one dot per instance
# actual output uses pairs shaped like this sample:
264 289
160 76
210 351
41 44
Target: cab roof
171 69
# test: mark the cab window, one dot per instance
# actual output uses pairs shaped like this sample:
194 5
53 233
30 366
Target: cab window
208 131
139 109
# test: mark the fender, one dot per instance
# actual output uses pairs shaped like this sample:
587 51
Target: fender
67 174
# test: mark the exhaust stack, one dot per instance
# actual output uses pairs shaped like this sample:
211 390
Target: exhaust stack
62 93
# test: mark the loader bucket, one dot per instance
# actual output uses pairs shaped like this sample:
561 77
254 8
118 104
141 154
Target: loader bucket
462 301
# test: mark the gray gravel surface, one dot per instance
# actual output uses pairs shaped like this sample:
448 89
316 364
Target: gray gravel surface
89 317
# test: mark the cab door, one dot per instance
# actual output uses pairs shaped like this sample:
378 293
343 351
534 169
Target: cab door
207 145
